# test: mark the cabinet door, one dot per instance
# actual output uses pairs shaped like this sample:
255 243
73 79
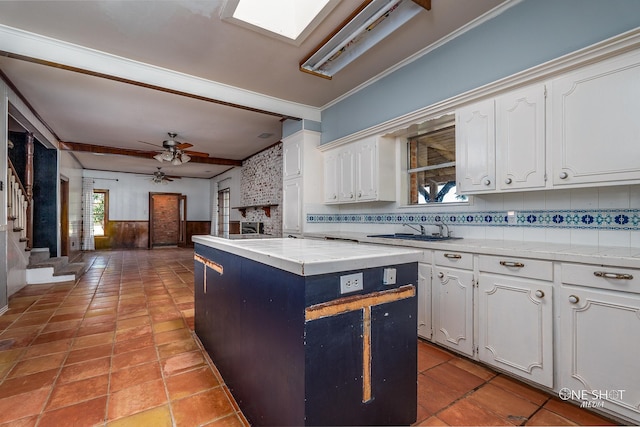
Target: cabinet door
292 206
520 139
515 326
475 147
452 292
600 343
424 301
595 123
367 170
346 181
331 177
292 159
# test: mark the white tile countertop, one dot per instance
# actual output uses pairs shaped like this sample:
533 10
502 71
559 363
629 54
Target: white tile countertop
605 255
308 257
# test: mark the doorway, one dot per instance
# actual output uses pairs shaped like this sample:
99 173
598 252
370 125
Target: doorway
64 217
167 219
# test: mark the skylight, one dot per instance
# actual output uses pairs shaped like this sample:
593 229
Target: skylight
288 20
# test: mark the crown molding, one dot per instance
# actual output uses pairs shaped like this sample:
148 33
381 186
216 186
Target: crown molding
614 46
444 40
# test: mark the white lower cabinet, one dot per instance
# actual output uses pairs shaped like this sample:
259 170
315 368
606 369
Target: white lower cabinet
599 338
452 296
515 326
424 301
515 316
571 328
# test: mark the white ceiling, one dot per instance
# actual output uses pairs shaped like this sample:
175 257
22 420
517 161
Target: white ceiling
183 46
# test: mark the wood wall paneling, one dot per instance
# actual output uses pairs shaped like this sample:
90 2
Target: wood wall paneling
135 234
124 235
195 228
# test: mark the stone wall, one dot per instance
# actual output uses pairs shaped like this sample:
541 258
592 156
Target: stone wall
261 184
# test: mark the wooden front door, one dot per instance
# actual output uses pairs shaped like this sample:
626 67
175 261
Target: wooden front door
166 219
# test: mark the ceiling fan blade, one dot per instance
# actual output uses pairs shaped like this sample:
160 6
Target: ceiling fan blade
148 143
173 176
183 145
196 153
166 178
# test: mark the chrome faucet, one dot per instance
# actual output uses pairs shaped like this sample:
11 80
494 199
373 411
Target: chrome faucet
421 230
441 225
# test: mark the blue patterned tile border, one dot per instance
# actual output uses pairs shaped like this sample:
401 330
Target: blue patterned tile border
600 219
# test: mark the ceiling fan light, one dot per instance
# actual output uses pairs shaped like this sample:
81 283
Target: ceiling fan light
167 155
185 158
176 161
158 157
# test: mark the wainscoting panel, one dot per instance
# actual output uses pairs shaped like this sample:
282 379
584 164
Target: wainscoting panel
124 235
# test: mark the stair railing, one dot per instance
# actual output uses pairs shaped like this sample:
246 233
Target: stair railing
18 203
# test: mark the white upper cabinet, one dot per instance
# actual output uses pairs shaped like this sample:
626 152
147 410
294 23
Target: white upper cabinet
360 171
475 148
346 180
292 159
331 178
301 167
595 127
520 139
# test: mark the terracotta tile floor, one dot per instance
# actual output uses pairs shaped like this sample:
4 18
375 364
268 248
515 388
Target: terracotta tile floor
458 392
117 348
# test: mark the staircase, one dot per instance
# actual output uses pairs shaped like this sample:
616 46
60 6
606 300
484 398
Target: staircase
44 269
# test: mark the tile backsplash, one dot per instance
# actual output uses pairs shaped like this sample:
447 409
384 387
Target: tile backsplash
602 216
602 219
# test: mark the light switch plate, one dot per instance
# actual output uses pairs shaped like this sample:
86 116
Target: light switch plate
389 276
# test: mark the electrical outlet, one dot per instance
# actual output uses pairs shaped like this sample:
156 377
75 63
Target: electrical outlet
512 217
351 283
389 276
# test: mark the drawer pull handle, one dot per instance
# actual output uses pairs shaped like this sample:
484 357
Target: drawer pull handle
564 175
453 256
511 264
616 276
573 299
508 181
441 275
539 294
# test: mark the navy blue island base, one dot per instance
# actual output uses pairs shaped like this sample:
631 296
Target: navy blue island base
293 350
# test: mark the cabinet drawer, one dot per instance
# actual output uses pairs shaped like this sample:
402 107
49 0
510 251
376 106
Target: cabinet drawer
453 259
603 277
521 267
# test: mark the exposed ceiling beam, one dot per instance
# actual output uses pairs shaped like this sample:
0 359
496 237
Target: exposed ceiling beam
101 149
424 3
27 46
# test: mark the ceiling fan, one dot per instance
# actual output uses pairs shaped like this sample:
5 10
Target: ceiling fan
175 151
160 177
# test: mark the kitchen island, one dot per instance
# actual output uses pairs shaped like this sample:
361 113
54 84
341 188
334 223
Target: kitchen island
310 332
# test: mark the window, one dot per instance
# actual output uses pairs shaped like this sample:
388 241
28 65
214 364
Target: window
431 167
100 213
223 212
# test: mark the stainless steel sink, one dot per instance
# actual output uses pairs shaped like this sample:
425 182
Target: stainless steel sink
409 236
